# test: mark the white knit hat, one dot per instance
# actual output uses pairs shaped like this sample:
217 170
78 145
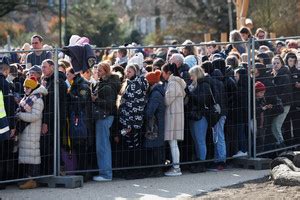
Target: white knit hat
138 59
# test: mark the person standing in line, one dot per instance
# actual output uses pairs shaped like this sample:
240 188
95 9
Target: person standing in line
174 115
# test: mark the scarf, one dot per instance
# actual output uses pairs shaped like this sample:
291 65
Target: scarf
27 102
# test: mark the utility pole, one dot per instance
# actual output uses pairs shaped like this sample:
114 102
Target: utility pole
66 11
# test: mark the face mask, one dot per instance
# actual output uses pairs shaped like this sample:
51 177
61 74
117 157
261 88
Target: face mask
10 78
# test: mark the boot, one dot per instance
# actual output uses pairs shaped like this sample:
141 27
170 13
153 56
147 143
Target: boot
28 185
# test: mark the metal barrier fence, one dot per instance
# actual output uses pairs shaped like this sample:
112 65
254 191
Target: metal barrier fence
28 153
71 154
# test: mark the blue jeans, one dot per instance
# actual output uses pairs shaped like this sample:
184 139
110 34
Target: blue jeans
219 140
277 124
103 147
198 131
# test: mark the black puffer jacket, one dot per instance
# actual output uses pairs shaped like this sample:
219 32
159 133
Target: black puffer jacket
295 77
283 85
222 98
107 90
199 98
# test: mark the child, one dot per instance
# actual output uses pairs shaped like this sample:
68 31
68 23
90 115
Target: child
261 108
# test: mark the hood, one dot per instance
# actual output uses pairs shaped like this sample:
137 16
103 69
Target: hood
184 67
115 81
190 60
40 90
220 65
207 78
217 74
283 70
160 88
178 80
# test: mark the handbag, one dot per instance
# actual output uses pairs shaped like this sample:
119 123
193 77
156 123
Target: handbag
78 128
213 113
151 129
21 125
69 160
195 114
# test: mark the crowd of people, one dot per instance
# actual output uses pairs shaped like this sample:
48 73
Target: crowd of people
129 107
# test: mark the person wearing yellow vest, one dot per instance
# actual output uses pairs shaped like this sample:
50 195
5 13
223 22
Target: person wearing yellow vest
7 126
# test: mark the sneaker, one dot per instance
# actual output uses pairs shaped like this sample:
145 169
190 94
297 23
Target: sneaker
101 179
173 172
28 185
240 154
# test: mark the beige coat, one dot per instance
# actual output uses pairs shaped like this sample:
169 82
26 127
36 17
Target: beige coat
174 115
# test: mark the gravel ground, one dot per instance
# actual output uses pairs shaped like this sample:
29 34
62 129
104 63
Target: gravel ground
182 187
257 189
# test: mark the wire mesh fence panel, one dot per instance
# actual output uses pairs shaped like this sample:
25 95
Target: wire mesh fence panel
27 145
276 75
140 111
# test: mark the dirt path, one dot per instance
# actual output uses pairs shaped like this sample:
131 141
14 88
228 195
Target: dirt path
257 189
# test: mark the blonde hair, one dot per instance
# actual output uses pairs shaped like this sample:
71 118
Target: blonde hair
198 72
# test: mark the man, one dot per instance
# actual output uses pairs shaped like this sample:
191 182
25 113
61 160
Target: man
212 49
37 57
47 139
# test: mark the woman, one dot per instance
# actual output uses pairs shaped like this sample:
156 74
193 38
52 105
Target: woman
131 111
198 99
154 114
104 102
284 91
241 111
174 115
31 111
235 36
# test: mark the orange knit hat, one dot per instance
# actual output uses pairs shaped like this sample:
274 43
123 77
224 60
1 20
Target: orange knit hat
153 77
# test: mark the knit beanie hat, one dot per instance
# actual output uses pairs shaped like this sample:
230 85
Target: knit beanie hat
259 86
190 60
31 83
138 59
153 77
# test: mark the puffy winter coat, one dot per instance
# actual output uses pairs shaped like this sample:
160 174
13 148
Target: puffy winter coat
29 140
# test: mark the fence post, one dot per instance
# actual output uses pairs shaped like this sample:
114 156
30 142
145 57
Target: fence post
207 37
56 117
253 100
224 37
249 96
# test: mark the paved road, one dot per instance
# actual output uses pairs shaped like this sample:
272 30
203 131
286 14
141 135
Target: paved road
180 187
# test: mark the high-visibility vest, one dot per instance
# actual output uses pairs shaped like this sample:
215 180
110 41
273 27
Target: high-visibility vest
4 127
